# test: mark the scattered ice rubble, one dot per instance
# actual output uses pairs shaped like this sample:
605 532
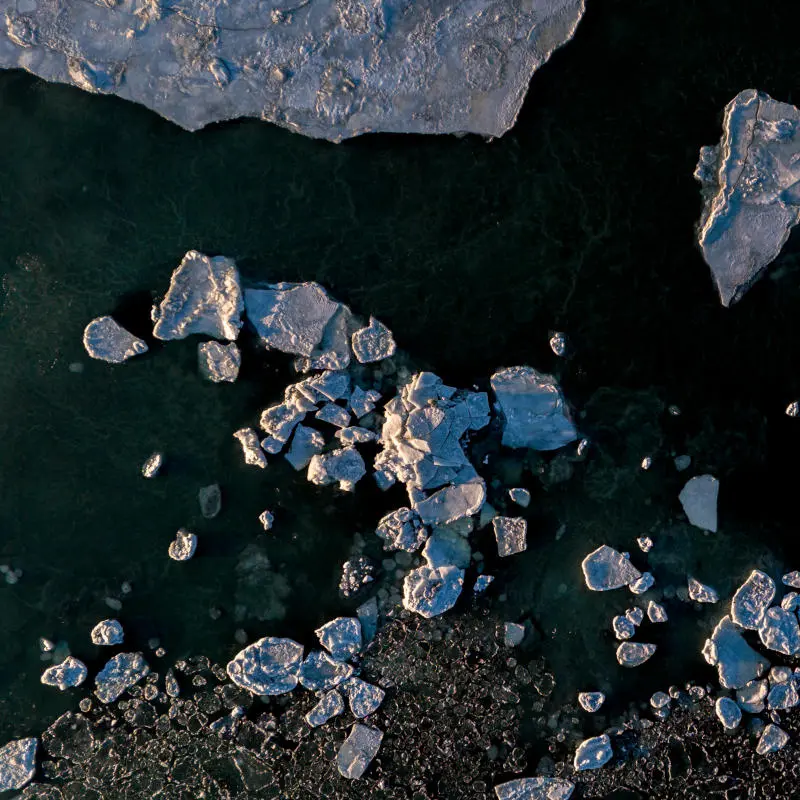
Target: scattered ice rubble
106 340
699 500
17 763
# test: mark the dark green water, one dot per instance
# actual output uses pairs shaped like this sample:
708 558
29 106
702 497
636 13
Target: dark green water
581 219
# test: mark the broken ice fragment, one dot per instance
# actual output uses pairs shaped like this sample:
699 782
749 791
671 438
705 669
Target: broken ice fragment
558 343
737 663
591 701
341 637
306 443
728 713
183 546
368 617
219 363
210 499
645 544
751 696
646 463
430 592
69 673
153 464
452 503
356 574
482 583
373 343
623 627
358 750
333 414
682 463
204 297
267 667
362 403
793 409
363 697
511 535
634 654
266 518
280 420
513 634
642 584
446 547
783 696
522 497
344 466
120 673
535 789
251 447
772 739
700 592
330 705
107 633
402 529
355 435
656 612
606 568
534 411
779 631
106 340
17 763
791 579
319 672
752 599
593 753
699 500
272 445
659 700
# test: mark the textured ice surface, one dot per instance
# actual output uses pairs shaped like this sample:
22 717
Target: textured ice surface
334 415
791 579
358 750
452 503
108 632
362 697
341 637
593 753
373 343
511 535
219 363
752 599
656 612
623 627
728 713
17 763
355 435
430 592
330 71
634 654
183 546
251 447
344 466
446 547
522 497
752 696
306 443
266 518
362 402
700 592
699 500
319 672
783 695
204 297
606 568
642 584
152 465
69 673
268 666
779 631
737 663
482 583
368 617
120 673
591 701
513 634
106 340
535 789
772 739
635 615
751 191
534 411
402 529
331 704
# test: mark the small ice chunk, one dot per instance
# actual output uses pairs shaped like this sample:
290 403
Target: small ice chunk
107 633
430 592
513 634
344 466
779 631
656 612
306 443
333 414
358 750
511 535
452 503
447 547
535 789
368 617
69 673
210 499
341 637
120 673
780 675
402 529
153 464
772 739
728 713
357 572
752 599
266 518
362 403
659 700
268 666
482 583
17 763
219 363
280 420
645 544
591 701
682 463
606 568
558 343
522 497
793 409
635 615
642 584
363 697
373 343
623 627
272 445
792 579
751 696
700 592
647 462
593 753
783 695
183 546
253 454
330 705
106 340
699 500
634 654
737 663
355 435
319 672
791 601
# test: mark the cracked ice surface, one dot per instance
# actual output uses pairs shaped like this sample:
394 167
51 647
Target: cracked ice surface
344 466
106 340
751 191
341 637
268 666
373 343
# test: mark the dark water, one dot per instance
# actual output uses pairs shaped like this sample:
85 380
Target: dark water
581 219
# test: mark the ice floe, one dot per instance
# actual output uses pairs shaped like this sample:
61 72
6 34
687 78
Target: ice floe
341 637
752 599
593 753
737 663
251 447
107 633
268 666
700 592
358 750
591 701
373 343
728 713
343 466
106 340
69 673
634 654
605 569
183 546
120 673
219 363
699 500
430 592
17 763
511 535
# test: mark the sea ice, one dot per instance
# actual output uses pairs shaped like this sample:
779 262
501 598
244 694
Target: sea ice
591 701
772 739
642 584
606 568
106 340
402 529
593 753
344 466
183 546
446 547
659 700
341 637
511 535
107 633
623 627
210 499
319 672
737 663
266 518
251 447
152 465
752 599
362 697
699 500
363 402
535 789
219 363
368 617
430 592
482 583
634 654
69 673
331 704
700 592
522 497
779 631
268 666
355 435
17 763
120 673
373 343
791 579
558 343
358 750
682 463
452 503
645 544
513 634
752 696
334 415
728 713
656 612
306 443
783 695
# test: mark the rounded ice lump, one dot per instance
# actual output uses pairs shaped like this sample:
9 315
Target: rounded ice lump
268 666
106 340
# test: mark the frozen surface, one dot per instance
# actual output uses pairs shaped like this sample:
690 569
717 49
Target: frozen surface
373 343
737 663
120 673
511 535
728 713
268 666
331 704
362 697
306 443
17 763
752 599
402 529
341 637
605 569
779 631
183 546
593 753
108 632
69 673
358 750
430 592
751 191
452 503
642 584
344 466
219 363
535 789
106 340
699 500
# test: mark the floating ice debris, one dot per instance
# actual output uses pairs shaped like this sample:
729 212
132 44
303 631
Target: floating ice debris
522 497
780 675
341 637
253 454
701 593
280 420
606 568
355 435
623 627
107 633
330 705
558 343
362 697
634 654
682 463
210 499
642 584
699 500
591 701
446 547
482 583
659 700
356 574
647 462
120 673
513 634
153 464
183 546
635 615
17 763
266 518
452 503
319 672
204 297
737 663
535 789
362 403
656 612
593 753
793 409
645 544
772 739
46 645
783 695
333 414
728 713
779 631
373 343
358 750
268 666
219 362
534 411
344 466
791 579
430 592
106 340
752 599
402 529
69 673
306 443
791 601
750 194
511 535
272 445
368 617
751 696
